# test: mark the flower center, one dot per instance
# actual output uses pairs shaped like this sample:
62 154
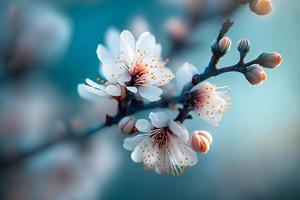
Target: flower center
138 75
160 136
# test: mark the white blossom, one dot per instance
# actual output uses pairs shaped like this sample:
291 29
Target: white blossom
136 64
209 101
162 146
97 92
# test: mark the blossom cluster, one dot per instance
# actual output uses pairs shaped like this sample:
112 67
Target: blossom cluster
135 73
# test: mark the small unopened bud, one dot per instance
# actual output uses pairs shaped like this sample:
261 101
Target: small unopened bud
225 44
222 46
255 75
269 60
126 124
261 7
201 141
243 46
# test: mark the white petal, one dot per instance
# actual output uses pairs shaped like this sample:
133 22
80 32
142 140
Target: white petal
182 154
127 47
94 84
151 93
145 42
113 90
90 93
115 73
178 129
159 119
105 56
112 40
137 154
131 143
132 89
184 75
161 76
143 125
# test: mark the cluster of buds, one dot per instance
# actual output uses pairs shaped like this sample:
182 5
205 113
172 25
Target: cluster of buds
261 7
255 74
220 48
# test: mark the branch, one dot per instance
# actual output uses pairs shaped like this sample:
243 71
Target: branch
10 161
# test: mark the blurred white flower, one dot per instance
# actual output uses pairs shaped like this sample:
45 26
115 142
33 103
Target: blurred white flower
209 101
184 75
162 146
97 92
135 64
33 34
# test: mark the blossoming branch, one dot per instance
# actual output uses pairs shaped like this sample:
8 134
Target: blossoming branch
135 78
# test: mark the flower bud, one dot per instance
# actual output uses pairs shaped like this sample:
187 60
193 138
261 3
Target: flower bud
224 44
221 47
243 46
261 7
269 60
126 124
255 75
201 141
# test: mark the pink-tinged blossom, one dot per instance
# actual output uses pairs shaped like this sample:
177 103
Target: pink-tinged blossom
208 101
162 146
136 64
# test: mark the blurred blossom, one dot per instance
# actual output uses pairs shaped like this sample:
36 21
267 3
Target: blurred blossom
69 171
177 28
261 7
28 115
139 25
33 34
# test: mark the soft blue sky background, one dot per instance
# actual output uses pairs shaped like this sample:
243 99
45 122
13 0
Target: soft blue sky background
255 152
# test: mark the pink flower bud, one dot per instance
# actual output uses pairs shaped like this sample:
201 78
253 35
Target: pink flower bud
243 46
201 141
224 44
255 75
126 124
261 7
270 60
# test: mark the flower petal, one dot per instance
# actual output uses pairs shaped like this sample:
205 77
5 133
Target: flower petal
112 40
94 84
159 119
132 89
127 47
90 93
131 143
137 154
113 90
143 125
178 129
105 56
145 42
151 93
184 75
